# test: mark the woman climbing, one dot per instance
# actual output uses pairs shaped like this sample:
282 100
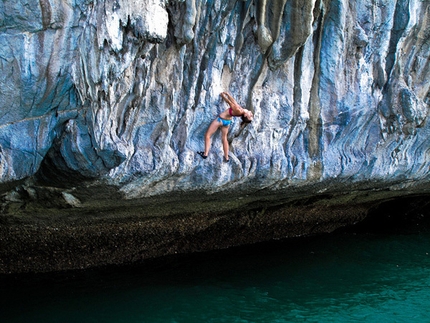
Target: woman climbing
224 120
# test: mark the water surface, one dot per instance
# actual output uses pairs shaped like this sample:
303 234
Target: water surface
338 278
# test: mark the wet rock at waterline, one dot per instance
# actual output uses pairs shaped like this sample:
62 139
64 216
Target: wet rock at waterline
104 103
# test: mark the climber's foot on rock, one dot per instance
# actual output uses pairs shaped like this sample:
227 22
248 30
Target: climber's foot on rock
202 153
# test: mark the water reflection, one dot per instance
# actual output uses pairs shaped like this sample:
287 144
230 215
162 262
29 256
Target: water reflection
339 278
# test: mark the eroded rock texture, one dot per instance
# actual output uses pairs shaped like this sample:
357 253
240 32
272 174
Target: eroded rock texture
123 91
119 93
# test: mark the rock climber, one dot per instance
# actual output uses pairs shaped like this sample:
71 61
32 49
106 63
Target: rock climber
223 121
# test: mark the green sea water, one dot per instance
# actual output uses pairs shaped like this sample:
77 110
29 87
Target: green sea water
348 277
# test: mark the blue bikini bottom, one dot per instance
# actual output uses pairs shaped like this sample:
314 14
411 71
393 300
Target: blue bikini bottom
225 122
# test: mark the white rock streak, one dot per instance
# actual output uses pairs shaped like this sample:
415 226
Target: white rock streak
124 90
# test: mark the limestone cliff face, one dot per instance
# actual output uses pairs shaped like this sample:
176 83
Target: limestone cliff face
106 102
121 92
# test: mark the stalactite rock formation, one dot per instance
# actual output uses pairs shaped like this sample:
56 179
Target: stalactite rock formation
122 91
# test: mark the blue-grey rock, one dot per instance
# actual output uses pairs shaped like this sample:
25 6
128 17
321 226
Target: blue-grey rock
339 91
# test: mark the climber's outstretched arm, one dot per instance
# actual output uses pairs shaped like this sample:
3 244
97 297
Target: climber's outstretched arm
237 109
